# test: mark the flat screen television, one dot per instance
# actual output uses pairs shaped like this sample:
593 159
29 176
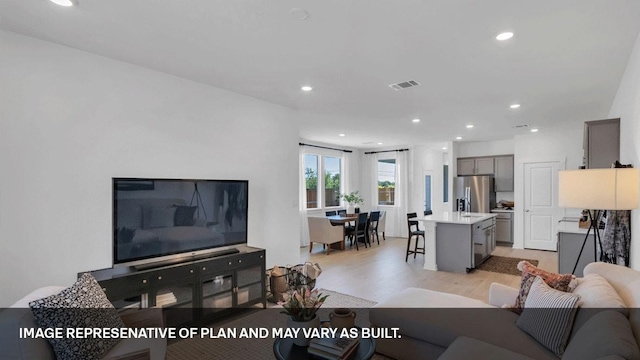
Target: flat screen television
158 221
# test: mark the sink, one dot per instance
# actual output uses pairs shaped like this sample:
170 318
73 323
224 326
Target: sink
471 216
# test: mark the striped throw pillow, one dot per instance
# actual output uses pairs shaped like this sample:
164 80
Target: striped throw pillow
548 315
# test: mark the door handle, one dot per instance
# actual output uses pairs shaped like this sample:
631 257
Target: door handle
526 210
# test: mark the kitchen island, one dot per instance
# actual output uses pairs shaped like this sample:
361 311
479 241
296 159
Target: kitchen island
458 242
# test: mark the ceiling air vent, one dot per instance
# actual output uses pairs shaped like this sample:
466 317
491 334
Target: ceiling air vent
404 85
522 126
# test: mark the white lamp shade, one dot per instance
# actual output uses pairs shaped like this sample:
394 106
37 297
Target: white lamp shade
599 189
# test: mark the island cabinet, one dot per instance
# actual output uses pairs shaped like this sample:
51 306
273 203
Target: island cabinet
462 241
190 291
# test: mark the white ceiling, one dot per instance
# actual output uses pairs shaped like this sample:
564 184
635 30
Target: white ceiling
563 65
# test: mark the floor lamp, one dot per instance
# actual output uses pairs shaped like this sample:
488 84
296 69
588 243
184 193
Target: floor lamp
598 189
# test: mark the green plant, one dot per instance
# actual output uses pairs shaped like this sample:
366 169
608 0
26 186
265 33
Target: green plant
352 198
302 304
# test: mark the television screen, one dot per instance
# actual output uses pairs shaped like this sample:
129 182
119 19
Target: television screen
156 218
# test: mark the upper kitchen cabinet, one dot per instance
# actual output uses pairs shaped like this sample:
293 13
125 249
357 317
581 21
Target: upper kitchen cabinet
601 143
503 173
475 166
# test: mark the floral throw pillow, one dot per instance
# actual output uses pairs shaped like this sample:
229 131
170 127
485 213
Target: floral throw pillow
561 282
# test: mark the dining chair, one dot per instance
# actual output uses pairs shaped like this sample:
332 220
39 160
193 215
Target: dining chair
330 213
342 212
382 224
373 225
414 230
361 230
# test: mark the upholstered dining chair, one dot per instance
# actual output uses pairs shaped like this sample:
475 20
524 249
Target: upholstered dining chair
382 224
414 230
374 219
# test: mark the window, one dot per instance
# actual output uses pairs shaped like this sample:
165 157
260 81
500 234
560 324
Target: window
427 193
386 181
311 179
314 166
332 176
445 183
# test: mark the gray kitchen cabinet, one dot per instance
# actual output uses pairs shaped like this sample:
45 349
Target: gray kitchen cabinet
503 176
601 143
475 166
569 244
484 166
466 166
504 228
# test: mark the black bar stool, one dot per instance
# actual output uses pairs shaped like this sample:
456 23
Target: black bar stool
414 232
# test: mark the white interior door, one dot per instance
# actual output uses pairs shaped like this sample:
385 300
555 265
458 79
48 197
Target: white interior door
541 212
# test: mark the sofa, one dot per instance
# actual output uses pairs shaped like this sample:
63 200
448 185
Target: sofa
19 315
435 325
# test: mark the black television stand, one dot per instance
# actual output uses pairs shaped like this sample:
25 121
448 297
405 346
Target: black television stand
207 288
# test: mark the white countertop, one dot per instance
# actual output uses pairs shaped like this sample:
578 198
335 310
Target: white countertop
570 226
499 210
457 218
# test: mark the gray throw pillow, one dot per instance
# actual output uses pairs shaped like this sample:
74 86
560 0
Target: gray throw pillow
548 315
606 334
82 305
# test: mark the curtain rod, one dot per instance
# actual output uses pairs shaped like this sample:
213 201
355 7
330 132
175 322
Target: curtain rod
324 147
377 152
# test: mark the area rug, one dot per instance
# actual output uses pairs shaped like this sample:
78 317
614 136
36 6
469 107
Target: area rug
191 349
504 265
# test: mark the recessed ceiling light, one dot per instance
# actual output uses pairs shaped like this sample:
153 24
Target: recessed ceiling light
470 126
342 135
458 137
416 120
515 106
66 3
306 88
534 130
504 36
379 143
444 148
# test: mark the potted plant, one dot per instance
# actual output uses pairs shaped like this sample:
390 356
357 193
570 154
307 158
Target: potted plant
302 305
353 199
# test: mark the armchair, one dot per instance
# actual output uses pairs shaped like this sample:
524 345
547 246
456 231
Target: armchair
322 231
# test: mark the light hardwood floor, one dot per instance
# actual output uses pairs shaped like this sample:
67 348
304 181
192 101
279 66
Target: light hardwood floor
380 271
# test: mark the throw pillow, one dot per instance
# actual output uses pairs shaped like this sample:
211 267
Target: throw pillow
84 304
184 215
548 315
606 334
566 282
596 295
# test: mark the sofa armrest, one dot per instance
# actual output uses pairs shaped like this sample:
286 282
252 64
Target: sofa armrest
500 295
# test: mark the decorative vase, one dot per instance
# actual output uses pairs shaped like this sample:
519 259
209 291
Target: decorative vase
342 318
350 209
301 339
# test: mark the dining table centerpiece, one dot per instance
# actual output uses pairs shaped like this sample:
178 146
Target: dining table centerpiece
301 305
353 199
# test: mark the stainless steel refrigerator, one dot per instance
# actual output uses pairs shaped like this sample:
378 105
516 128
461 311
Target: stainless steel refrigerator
482 197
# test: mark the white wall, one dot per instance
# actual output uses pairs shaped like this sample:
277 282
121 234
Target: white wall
626 106
70 121
425 158
485 148
541 147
